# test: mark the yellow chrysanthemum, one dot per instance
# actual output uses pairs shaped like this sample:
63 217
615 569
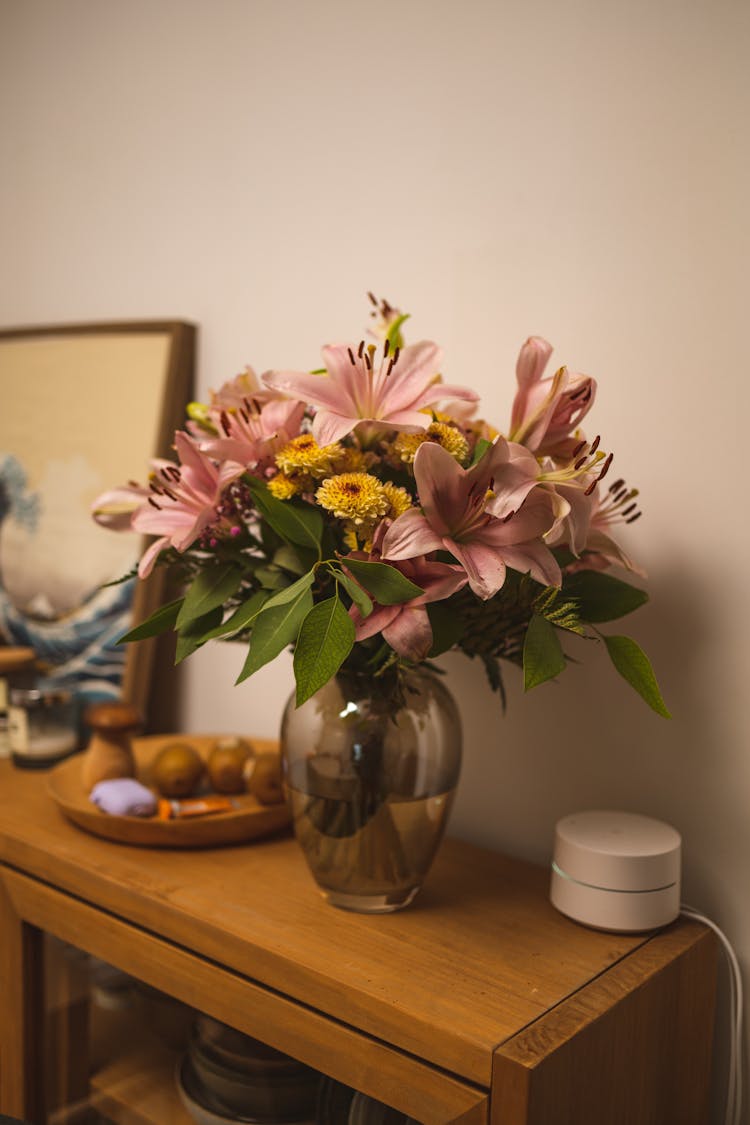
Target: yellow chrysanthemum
283 487
351 460
399 500
452 440
304 455
357 497
350 538
481 429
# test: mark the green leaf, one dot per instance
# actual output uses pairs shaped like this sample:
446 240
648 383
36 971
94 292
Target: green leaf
289 558
196 633
274 629
243 616
295 521
395 336
289 593
542 654
480 449
359 596
210 589
561 611
325 640
271 577
386 584
634 666
601 597
447 626
495 678
160 620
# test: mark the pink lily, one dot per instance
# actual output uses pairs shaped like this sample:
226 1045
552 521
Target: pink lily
114 509
184 503
600 550
407 627
574 510
358 389
454 517
547 412
233 393
254 432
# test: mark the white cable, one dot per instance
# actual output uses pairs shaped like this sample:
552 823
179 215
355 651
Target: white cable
734 1081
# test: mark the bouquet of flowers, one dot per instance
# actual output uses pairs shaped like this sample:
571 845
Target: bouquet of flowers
363 514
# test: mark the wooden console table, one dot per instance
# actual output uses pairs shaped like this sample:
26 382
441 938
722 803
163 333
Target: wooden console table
478 1004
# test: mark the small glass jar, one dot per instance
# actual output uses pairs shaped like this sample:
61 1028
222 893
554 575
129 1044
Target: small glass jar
42 726
17 670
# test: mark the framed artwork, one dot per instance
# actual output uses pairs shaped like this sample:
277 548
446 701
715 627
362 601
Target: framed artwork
82 409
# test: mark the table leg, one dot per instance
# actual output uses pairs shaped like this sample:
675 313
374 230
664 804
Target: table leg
22 1088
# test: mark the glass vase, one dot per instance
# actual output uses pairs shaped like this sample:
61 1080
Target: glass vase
371 776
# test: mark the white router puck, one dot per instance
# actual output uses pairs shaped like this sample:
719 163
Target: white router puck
616 871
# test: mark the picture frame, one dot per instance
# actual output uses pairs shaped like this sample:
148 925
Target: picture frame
83 408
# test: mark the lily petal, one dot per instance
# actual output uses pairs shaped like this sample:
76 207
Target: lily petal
483 565
410 633
408 536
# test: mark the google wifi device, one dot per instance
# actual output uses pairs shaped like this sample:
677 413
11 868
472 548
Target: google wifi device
616 870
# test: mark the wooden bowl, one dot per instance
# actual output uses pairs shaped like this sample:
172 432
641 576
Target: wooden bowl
248 820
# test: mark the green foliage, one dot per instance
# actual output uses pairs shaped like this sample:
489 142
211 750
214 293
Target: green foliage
212 587
295 521
271 577
324 642
165 617
196 632
132 573
495 678
275 627
447 627
359 596
290 593
601 597
542 653
633 665
387 585
480 449
395 336
558 610
243 616
290 558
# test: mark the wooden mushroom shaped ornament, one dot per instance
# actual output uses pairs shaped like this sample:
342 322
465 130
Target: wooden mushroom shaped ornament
110 751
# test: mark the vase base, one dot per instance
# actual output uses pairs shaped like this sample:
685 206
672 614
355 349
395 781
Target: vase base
370 904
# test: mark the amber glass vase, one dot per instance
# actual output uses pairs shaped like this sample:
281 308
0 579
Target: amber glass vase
370 776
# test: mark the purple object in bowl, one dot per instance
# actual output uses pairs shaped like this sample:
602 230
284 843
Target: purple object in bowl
123 796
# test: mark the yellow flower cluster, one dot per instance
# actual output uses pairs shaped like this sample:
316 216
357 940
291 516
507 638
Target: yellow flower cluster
356 497
302 463
304 455
442 433
338 477
361 501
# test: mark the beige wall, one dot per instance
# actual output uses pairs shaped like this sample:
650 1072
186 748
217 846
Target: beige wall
574 169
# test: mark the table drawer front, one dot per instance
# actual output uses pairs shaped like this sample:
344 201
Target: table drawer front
410 1085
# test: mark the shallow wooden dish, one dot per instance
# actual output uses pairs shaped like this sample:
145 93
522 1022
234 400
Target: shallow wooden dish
247 821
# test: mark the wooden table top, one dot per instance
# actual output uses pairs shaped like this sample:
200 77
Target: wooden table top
478 956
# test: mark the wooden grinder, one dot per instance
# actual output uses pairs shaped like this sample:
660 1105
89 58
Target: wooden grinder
110 751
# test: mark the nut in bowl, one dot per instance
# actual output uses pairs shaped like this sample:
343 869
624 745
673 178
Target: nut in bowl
177 770
227 760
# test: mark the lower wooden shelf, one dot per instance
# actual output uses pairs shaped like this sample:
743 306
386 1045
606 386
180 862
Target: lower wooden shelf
139 1088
